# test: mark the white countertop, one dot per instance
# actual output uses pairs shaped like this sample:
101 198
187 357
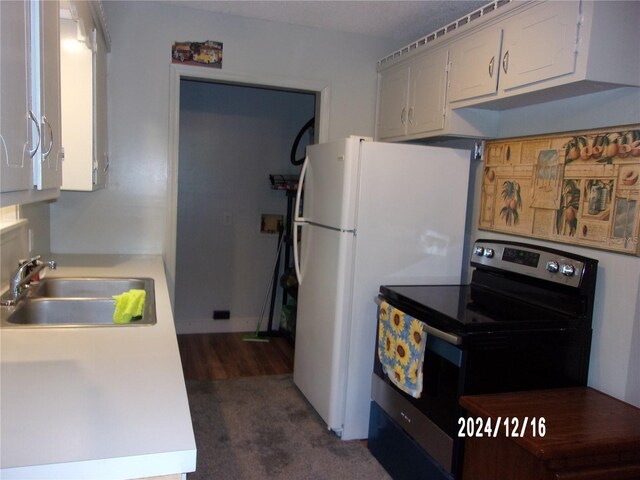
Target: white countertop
96 402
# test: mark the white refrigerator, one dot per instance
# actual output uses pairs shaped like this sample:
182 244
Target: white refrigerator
370 214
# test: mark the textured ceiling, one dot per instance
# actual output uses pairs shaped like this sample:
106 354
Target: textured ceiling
403 21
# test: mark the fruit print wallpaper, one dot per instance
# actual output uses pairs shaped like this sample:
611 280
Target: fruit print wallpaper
580 188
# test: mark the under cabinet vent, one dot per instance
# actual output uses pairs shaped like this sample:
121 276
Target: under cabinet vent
452 27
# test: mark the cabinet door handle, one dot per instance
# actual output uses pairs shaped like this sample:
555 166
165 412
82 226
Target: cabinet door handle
491 65
411 116
505 61
33 118
403 115
46 122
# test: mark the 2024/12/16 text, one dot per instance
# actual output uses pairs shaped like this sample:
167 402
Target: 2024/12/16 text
508 426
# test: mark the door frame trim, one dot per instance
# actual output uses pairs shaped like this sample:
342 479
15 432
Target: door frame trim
179 72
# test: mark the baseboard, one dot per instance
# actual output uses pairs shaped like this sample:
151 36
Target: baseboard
232 325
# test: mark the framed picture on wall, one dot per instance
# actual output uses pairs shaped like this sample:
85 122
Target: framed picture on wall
203 54
580 188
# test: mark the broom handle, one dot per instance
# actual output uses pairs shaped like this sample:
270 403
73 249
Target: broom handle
266 297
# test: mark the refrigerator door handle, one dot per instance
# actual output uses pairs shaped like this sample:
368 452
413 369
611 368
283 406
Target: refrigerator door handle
296 254
303 173
297 220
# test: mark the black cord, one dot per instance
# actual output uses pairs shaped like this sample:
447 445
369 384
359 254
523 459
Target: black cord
301 133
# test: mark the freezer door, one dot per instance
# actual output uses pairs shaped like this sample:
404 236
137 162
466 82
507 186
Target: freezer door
330 183
322 321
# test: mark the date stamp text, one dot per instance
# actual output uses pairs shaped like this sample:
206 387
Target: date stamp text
506 426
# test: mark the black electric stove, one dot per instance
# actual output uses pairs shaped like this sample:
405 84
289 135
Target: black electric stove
514 287
524 322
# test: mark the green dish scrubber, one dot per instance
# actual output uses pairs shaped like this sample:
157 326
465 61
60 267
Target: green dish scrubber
129 305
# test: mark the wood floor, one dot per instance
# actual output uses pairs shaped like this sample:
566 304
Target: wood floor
218 356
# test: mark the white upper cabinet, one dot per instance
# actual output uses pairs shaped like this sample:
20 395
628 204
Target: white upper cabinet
475 65
540 44
547 51
46 95
506 55
412 96
393 96
14 115
427 93
32 153
528 48
83 53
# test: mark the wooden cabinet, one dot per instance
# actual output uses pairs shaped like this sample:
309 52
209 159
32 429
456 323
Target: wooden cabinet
412 96
30 125
571 434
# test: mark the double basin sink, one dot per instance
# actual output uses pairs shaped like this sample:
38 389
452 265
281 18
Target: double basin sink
77 302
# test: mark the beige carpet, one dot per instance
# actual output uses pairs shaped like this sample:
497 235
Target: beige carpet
263 428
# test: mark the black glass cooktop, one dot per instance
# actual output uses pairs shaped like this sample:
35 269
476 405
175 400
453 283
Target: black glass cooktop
462 309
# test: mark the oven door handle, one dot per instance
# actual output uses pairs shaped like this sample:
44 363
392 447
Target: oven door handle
447 337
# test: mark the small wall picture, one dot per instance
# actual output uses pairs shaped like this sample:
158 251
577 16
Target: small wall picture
271 224
203 54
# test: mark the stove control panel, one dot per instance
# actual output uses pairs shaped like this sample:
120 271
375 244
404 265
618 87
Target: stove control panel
542 263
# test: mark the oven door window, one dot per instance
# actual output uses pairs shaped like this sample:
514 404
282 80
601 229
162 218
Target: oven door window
441 373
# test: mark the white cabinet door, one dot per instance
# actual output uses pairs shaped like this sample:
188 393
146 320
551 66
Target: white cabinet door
83 68
427 92
392 102
48 161
14 120
100 114
539 44
474 65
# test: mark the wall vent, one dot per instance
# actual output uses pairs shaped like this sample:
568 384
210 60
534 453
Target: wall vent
452 27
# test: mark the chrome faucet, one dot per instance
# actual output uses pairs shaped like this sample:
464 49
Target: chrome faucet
21 279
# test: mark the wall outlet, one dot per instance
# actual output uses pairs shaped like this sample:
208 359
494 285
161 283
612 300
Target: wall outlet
221 314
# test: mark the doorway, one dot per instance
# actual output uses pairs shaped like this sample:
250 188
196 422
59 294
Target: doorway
232 137
320 88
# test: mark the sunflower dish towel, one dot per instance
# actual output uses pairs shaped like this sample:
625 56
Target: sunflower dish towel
129 305
401 345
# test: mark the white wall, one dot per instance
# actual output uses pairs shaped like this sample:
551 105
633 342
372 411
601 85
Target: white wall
615 348
231 139
129 215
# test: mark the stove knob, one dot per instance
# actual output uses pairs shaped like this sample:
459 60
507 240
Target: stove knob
567 269
479 251
553 267
489 252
